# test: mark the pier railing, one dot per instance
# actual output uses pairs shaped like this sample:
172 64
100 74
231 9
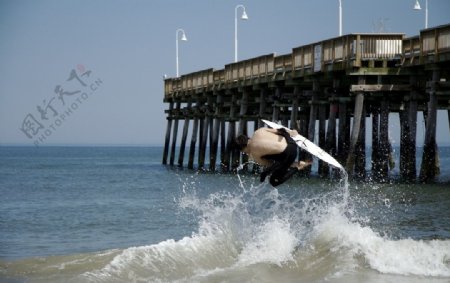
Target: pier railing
328 55
335 54
433 45
250 68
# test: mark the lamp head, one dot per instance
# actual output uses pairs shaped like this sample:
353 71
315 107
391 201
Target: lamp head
244 16
417 5
183 37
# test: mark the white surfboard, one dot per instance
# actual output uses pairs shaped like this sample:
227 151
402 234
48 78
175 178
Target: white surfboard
309 146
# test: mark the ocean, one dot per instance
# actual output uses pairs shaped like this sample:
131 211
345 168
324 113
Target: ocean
115 214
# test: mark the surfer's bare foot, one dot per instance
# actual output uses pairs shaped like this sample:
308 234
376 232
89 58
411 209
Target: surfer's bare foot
302 164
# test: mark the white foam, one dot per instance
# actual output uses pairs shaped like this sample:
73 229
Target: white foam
238 231
273 243
405 257
168 260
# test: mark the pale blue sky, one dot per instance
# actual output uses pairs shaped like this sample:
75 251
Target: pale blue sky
130 45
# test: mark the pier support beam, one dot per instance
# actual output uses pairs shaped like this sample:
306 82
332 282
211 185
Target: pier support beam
215 132
201 122
375 162
207 121
330 146
429 168
262 106
408 122
381 146
168 129
360 149
323 168
174 136
235 154
243 122
384 146
312 119
184 136
193 137
228 150
294 111
230 153
344 131
223 142
275 106
359 105
303 130
242 112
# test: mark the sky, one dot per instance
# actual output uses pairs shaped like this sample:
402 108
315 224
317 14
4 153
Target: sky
91 72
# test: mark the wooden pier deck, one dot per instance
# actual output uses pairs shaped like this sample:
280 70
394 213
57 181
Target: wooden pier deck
326 90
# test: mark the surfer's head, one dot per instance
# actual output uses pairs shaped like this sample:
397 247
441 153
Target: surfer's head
241 142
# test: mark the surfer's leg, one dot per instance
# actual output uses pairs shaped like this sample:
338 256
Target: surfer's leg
284 172
279 177
300 165
269 169
277 160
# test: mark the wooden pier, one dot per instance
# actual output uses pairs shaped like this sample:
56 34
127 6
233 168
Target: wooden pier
326 90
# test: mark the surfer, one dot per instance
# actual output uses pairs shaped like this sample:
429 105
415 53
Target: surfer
274 149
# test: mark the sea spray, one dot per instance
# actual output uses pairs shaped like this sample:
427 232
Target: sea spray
245 231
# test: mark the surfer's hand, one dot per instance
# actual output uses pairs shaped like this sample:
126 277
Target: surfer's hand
293 133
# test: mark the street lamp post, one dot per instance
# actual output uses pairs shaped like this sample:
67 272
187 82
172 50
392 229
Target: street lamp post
340 17
243 17
417 7
183 38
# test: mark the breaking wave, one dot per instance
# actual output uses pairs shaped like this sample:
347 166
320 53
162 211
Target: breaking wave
258 234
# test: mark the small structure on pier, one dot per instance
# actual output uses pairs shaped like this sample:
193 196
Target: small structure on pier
329 87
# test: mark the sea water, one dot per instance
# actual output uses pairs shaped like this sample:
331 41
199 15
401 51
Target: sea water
115 214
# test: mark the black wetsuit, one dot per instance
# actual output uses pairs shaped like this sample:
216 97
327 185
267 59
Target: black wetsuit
281 167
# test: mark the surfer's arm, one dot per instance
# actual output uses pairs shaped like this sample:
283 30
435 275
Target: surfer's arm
287 135
281 131
292 133
270 130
